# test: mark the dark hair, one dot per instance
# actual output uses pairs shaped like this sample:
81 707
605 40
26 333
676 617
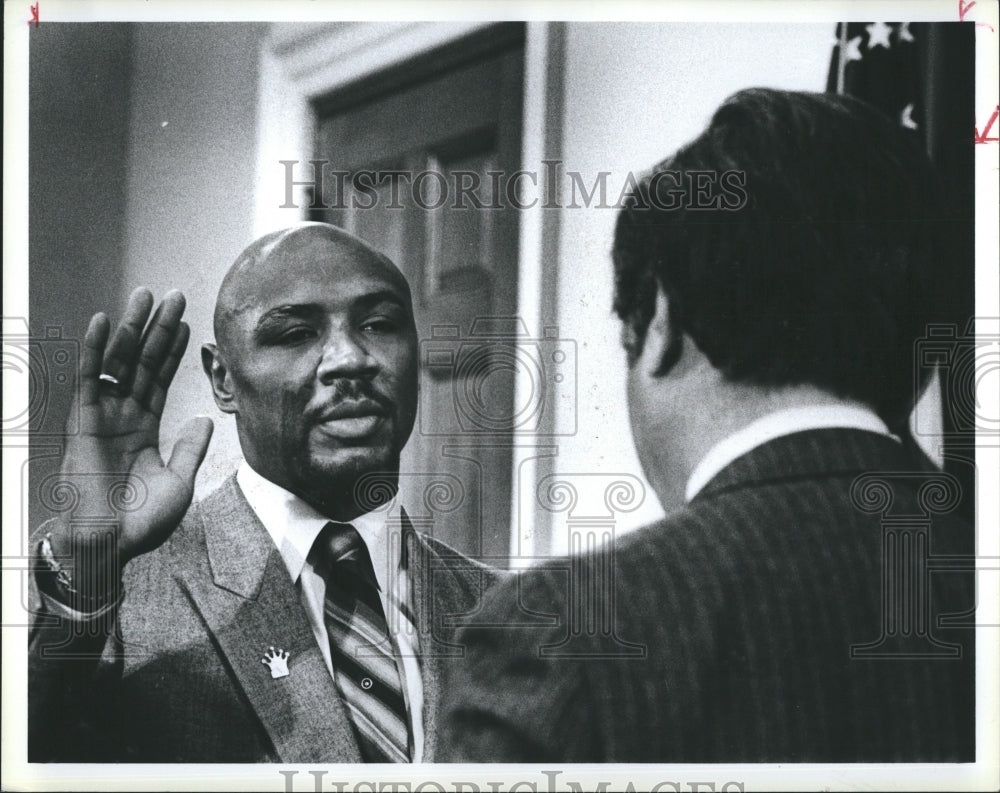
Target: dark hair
817 273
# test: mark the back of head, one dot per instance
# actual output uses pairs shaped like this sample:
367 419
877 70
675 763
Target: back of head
819 274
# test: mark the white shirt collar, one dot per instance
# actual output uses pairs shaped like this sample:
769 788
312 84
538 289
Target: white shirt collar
775 425
294 525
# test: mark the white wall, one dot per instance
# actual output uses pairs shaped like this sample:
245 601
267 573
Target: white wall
190 208
634 94
78 111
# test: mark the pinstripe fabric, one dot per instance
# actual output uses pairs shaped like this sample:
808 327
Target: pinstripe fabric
747 601
364 658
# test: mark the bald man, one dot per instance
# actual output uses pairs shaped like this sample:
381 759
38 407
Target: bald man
292 616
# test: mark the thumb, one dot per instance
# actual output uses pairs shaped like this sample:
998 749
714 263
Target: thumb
190 448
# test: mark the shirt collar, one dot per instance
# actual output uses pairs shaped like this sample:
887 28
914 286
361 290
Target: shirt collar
294 525
845 415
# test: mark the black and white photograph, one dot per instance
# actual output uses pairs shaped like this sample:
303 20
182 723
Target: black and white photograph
493 397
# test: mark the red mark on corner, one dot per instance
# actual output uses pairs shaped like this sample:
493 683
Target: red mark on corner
964 9
983 138
34 14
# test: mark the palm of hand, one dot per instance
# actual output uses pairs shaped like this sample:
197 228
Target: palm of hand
114 461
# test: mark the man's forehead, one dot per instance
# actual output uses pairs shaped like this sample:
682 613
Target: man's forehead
313 267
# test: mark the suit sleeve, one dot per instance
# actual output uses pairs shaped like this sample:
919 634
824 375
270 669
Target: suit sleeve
74 664
512 697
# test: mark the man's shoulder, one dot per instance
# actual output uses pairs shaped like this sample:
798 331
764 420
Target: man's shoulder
468 573
186 544
691 536
696 552
220 501
447 553
444 554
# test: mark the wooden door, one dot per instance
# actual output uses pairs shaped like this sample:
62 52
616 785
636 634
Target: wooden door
417 160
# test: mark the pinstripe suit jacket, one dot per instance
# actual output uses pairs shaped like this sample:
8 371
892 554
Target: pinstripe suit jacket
184 682
733 622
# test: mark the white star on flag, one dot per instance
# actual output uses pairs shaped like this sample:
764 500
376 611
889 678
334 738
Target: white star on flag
906 117
878 35
853 49
904 32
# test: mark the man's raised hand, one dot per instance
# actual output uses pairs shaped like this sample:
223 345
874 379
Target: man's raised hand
124 379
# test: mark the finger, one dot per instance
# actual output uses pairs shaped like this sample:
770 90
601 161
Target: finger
141 377
158 393
157 343
91 358
190 449
119 358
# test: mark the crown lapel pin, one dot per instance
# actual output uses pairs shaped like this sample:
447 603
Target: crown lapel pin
276 661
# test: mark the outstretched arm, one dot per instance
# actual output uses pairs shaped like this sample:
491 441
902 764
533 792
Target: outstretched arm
124 380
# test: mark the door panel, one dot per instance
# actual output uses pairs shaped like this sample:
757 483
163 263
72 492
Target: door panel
422 166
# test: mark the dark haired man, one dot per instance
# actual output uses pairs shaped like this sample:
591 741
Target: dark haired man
770 351
292 616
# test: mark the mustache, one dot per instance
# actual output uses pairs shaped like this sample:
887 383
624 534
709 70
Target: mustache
353 392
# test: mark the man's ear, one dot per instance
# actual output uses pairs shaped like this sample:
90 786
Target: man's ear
218 375
664 338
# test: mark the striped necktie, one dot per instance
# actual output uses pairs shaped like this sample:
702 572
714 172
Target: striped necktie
361 649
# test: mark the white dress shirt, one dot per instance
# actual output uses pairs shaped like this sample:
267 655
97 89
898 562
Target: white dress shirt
845 415
294 525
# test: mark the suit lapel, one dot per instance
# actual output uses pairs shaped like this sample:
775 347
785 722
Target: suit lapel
249 603
445 585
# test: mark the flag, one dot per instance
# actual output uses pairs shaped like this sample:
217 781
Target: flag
877 62
922 75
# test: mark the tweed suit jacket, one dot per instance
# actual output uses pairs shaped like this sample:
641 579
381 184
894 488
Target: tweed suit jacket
182 679
733 622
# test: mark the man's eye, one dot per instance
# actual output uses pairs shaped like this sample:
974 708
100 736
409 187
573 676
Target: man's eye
380 325
294 335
